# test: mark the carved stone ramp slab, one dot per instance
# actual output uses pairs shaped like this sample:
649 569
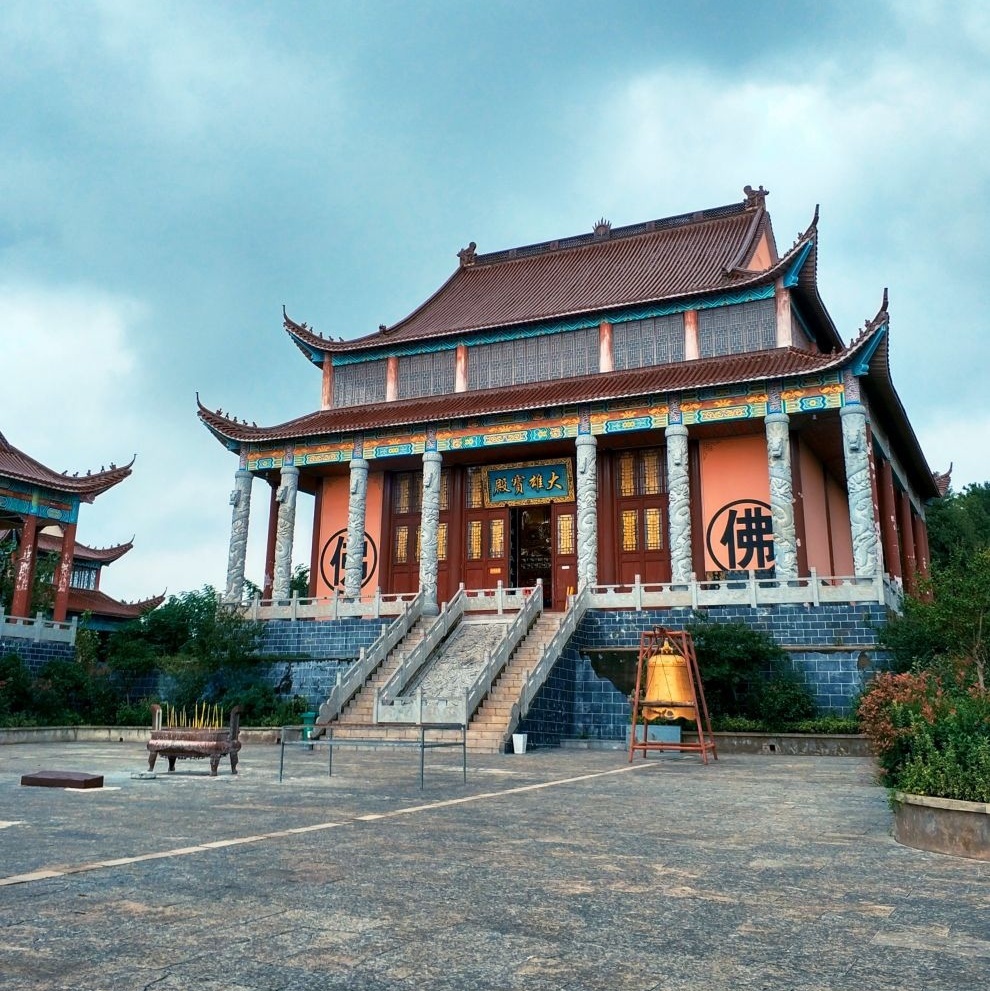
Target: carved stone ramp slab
458 661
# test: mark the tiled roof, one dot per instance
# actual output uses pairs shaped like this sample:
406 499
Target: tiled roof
100 604
661 260
15 464
81 552
756 366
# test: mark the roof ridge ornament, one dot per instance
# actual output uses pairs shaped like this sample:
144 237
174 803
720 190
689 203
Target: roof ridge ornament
603 228
755 197
468 256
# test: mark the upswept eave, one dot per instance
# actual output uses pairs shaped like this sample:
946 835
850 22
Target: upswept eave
83 552
17 465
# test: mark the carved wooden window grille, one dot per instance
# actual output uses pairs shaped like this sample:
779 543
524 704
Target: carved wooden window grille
442 542
496 538
655 341
354 385
419 543
565 533
630 530
533 359
401 554
426 374
83 578
475 488
737 329
474 540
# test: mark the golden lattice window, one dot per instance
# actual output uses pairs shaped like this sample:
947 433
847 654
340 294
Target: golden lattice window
442 542
496 538
630 530
444 490
474 540
627 474
401 554
565 533
475 490
651 483
419 542
653 525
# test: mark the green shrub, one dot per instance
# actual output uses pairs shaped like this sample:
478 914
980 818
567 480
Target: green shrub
134 713
15 687
732 659
834 725
782 700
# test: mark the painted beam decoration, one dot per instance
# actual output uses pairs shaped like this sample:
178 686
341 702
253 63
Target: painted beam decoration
529 483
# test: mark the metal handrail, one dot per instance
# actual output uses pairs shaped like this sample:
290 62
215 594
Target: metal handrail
358 673
416 658
499 657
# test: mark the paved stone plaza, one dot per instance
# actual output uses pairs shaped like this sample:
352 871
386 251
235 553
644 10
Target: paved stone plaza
560 869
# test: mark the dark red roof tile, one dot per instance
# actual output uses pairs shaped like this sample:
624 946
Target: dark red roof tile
15 464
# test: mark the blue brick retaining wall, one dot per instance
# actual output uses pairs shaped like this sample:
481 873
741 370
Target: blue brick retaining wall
831 647
315 652
36 654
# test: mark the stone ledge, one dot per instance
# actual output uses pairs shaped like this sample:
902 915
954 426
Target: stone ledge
943 825
771 744
111 734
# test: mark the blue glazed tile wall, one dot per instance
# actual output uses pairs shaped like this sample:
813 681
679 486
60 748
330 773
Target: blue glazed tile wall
36 655
834 651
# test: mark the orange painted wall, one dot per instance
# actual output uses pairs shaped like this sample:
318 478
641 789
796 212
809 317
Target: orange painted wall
731 469
815 514
332 525
838 511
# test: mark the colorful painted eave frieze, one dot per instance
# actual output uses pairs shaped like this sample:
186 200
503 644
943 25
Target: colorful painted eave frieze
27 501
810 395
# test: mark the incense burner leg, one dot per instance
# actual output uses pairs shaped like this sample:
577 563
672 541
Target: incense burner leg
214 764
233 762
152 757
171 763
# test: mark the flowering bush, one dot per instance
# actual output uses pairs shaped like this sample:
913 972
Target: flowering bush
929 737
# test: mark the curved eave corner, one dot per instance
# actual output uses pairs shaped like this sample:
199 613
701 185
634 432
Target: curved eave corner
214 423
313 346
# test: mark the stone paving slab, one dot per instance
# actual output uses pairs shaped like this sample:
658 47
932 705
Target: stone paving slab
560 870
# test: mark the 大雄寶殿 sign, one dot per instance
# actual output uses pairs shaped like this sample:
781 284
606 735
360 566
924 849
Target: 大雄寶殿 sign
528 483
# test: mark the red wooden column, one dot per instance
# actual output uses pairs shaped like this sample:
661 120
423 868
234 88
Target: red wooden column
269 582
314 554
907 535
921 544
63 576
24 570
797 491
888 520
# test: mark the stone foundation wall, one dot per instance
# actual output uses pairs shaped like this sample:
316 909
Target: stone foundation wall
36 654
833 648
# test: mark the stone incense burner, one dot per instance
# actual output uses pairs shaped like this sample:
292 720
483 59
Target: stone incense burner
182 742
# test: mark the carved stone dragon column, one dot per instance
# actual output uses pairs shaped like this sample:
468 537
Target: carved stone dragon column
587 511
781 495
679 503
240 500
284 531
356 506
866 557
429 561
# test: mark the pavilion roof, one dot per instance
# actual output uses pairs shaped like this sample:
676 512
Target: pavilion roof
87 600
17 465
673 259
82 552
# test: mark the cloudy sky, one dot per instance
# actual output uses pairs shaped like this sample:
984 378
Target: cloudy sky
172 173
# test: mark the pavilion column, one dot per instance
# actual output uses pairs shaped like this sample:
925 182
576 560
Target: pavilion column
63 577
24 569
679 503
285 530
240 500
268 582
587 511
356 507
921 545
907 535
859 490
888 519
429 560
782 495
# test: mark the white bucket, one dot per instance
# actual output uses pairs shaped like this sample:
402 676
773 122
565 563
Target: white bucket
519 743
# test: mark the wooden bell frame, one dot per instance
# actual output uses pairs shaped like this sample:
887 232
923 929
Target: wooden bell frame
652 643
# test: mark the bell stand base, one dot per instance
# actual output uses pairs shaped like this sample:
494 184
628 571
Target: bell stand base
651 643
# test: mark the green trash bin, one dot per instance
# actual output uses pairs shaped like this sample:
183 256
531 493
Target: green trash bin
309 724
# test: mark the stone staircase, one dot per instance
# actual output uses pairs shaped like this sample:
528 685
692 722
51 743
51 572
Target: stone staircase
360 711
491 726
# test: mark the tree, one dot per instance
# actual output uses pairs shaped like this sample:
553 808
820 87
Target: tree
959 524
